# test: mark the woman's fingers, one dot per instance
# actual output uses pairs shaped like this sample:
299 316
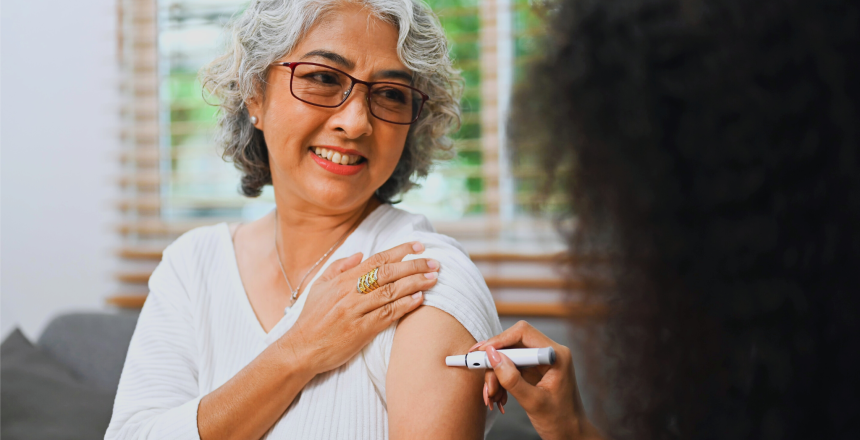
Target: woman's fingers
522 384
340 266
387 293
392 255
495 392
548 394
521 334
391 272
510 378
491 388
384 316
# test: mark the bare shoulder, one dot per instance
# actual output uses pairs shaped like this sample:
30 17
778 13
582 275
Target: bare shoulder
432 327
426 398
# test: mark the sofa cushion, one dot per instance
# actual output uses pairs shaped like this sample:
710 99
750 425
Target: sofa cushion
93 345
40 398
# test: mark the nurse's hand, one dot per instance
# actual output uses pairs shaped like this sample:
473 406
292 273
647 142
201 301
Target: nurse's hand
337 321
548 393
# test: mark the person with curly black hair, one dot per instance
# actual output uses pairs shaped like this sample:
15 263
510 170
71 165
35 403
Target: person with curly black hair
712 157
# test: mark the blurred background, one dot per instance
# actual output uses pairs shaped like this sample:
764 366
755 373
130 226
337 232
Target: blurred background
60 139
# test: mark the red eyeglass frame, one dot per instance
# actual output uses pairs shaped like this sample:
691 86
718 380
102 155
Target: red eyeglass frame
369 84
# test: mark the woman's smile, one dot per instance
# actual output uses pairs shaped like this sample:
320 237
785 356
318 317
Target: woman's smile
338 160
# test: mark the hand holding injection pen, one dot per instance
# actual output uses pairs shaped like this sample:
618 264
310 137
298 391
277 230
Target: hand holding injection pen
521 357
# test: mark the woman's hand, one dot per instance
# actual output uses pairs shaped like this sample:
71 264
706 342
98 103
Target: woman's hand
548 393
337 321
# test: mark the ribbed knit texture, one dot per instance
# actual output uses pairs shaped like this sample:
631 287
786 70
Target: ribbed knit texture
197 330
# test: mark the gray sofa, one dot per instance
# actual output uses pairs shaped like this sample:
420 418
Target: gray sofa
63 386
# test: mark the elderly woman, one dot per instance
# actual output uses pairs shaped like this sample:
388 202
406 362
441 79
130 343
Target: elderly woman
308 323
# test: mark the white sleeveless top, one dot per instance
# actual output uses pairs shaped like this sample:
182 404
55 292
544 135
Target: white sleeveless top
197 330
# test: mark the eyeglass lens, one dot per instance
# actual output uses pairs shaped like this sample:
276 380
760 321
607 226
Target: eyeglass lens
327 87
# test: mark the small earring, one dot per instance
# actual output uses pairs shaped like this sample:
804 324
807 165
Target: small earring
253 120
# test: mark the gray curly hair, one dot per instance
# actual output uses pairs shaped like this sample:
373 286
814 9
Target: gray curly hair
269 29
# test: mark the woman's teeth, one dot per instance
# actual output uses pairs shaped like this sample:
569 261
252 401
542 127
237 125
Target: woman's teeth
336 156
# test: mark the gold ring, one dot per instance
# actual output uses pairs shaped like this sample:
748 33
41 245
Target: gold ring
368 282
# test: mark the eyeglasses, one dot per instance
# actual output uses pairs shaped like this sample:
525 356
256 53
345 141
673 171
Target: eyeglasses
325 86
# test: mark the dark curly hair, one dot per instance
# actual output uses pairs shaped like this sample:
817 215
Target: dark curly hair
710 149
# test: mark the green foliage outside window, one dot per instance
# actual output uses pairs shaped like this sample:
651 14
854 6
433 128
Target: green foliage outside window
461 21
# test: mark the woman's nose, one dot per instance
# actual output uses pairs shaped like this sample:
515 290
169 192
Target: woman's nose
353 117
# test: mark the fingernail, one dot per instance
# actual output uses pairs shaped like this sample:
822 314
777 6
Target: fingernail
417 247
430 275
486 399
432 264
494 356
476 345
501 408
416 296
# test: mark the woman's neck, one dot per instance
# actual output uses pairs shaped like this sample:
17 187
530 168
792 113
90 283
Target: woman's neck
297 219
305 232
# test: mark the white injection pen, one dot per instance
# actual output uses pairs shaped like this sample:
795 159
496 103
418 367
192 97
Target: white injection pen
521 357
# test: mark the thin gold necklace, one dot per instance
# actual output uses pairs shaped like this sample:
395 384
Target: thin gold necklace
294 293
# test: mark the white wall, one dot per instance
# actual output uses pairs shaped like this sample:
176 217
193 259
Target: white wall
58 147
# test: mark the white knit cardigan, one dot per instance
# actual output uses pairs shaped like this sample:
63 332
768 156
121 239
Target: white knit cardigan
197 330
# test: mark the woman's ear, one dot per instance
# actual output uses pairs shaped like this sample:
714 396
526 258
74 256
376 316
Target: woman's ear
255 112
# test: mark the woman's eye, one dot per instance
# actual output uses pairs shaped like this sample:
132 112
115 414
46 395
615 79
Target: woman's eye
325 78
393 95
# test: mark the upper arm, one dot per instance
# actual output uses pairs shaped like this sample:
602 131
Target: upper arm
426 398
